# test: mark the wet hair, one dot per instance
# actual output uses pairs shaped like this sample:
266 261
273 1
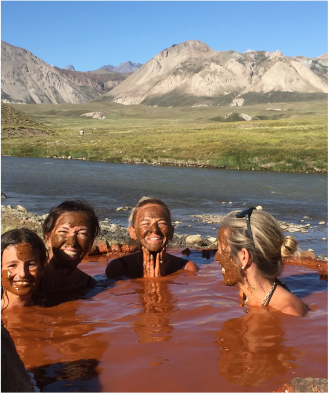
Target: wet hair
147 201
71 206
269 240
24 235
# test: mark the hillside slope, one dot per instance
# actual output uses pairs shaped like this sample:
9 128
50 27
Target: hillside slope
26 78
323 57
16 123
93 84
193 69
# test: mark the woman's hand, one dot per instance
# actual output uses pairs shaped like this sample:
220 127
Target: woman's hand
151 267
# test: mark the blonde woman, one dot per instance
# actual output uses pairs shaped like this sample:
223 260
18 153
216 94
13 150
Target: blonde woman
250 250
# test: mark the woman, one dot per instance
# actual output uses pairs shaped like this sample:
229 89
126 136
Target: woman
69 231
250 247
151 226
23 255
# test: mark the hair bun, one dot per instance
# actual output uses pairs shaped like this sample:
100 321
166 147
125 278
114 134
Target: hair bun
288 246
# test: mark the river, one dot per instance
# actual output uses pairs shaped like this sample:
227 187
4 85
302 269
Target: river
39 184
185 331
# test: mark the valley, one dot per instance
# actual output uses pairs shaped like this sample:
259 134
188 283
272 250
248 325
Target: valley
291 137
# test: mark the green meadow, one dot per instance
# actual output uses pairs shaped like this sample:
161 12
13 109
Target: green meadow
291 139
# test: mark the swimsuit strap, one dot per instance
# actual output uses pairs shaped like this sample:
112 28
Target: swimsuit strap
271 294
283 285
276 283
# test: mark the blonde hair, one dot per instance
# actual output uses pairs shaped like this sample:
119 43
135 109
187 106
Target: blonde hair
147 201
289 246
269 241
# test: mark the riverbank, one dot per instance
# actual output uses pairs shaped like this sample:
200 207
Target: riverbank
279 146
114 238
184 136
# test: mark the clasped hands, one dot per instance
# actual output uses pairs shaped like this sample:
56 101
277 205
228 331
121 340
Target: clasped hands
154 266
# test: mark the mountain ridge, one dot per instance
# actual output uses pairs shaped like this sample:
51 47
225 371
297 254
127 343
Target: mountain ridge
195 69
125 67
189 72
25 78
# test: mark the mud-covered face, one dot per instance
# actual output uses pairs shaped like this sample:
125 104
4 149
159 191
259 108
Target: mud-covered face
230 270
70 240
21 269
152 227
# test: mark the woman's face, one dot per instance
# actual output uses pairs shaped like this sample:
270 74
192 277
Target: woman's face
70 240
230 270
152 227
21 269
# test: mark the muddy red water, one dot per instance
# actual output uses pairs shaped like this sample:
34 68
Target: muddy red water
184 332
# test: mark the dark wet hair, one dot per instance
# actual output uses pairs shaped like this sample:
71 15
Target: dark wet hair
147 201
24 235
72 206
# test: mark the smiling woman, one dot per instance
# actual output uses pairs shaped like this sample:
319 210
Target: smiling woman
22 258
151 227
69 231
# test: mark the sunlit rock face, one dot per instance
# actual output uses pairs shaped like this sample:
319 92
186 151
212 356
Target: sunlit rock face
25 78
28 79
193 68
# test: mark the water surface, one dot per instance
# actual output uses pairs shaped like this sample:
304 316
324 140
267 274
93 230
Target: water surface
39 184
183 332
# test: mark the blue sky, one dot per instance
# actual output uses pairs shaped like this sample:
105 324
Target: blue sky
89 35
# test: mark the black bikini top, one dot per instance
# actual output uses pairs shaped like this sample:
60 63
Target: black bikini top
276 282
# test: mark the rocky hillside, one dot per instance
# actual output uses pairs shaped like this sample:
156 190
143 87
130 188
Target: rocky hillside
26 78
93 84
187 74
192 72
323 57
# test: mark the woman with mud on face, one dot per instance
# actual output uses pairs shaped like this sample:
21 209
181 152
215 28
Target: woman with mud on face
23 255
151 226
69 231
250 250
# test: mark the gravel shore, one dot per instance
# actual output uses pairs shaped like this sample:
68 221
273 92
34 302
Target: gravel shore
111 234
117 235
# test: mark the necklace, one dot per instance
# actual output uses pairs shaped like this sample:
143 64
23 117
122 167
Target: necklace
269 294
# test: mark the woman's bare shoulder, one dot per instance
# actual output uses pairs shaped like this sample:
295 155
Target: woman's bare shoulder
288 303
183 263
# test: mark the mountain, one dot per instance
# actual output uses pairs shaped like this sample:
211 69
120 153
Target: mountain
70 67
127 66
187 74
123 68
26 78
192 72
93 84
107 67
323 57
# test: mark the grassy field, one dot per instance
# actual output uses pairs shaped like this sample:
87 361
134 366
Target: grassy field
293 138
